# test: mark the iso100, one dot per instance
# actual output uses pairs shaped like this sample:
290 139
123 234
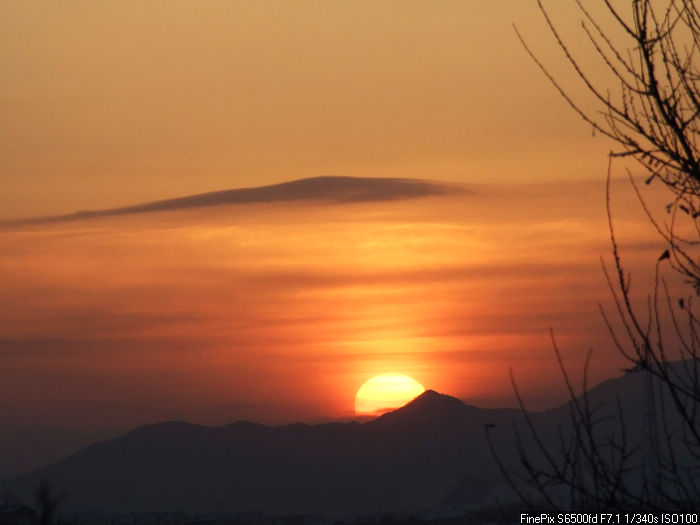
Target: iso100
679 518
613 519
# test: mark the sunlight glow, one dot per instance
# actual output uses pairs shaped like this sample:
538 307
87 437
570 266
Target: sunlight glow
386 392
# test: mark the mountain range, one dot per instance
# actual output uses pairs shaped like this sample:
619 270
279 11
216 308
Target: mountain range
429 454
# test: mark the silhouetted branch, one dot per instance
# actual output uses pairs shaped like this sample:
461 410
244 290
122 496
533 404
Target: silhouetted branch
598 462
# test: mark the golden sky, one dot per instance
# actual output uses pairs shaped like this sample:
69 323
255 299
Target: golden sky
279 311
108 103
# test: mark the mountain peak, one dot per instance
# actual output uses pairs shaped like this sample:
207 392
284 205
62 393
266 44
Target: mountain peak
433 394
430 405
430 399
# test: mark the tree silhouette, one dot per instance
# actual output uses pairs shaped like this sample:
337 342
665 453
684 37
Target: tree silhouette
653 116
48 502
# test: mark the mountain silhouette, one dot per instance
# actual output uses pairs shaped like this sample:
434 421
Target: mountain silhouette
429 407
332 189
427 454
407 459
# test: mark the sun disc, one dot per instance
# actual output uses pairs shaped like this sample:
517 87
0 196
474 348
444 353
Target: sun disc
386 392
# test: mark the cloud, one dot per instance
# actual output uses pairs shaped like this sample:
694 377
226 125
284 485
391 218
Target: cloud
328 189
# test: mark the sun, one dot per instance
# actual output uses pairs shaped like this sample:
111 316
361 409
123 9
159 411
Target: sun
386 392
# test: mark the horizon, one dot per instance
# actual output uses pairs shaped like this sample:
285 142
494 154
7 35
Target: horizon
206 464
440 219
282 211
167 272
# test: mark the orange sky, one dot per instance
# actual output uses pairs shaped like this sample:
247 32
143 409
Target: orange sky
278 312
281 311
108 103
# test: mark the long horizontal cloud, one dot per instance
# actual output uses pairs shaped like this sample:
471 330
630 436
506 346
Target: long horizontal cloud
331 189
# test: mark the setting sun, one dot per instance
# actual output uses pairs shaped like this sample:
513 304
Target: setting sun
386 392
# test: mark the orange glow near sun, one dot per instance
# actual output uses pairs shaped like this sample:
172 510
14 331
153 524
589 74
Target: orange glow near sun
386 392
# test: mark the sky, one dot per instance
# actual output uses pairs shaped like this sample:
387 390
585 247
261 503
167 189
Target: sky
278 311
108 103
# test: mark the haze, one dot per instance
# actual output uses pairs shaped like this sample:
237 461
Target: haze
278 311
110 103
